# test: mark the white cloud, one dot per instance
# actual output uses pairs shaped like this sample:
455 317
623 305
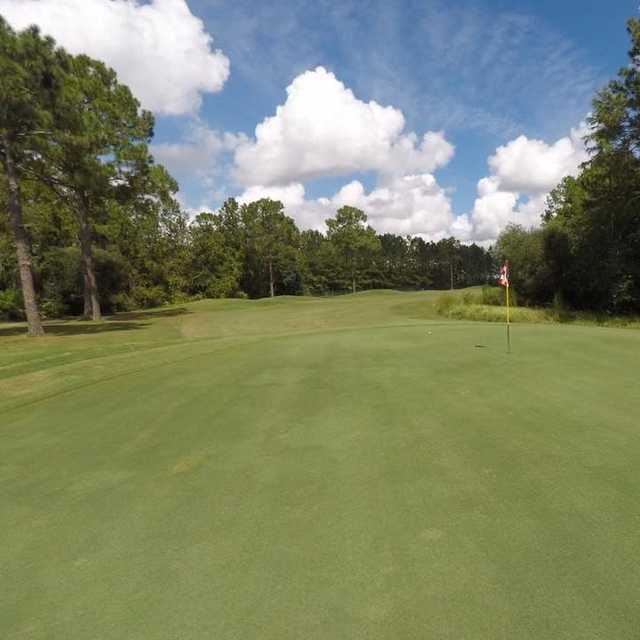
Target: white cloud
533 166
198 155
411 204
522 173
160 49
289 195
322 129
308 214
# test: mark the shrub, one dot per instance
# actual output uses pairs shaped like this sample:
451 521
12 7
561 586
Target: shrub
225 286
11 305
52 308
61 282
493 296
471 297
144 297
444 303
121 302
496 297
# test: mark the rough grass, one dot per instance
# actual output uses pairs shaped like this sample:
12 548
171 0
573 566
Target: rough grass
468 305
489 313
354 467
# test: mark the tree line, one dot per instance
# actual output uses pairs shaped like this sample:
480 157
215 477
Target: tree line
586 255
94 226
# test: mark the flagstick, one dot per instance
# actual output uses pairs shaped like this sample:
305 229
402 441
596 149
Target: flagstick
508 321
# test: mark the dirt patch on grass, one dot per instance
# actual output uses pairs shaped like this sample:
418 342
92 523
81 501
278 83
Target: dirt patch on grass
188 463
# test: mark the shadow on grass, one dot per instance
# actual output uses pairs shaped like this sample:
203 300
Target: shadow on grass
118 322
75 328
149 315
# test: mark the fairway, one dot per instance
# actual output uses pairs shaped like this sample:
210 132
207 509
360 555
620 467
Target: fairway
318 468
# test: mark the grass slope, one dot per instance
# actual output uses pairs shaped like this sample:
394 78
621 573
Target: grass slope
353 467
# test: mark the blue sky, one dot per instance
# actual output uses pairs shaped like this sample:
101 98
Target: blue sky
544 60
504 81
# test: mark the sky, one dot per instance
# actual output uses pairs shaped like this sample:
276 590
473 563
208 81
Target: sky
436 117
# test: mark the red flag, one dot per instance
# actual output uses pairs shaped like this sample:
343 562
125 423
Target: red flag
504 274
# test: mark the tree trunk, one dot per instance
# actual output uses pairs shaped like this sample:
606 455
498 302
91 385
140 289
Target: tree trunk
451 273
91 302
353 283
271 288
34 323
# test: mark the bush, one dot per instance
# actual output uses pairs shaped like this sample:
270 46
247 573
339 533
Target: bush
225 286
52 308
11 307
444 303
496 297
145 297
493 296
470 297
61 282
121 302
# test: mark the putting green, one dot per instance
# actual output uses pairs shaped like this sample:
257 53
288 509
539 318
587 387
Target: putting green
349 467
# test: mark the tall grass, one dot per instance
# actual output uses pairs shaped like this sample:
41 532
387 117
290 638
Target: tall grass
472 305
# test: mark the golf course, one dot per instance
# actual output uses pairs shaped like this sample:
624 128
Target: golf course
340 467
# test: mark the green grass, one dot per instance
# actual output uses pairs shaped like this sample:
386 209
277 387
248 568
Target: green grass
352 467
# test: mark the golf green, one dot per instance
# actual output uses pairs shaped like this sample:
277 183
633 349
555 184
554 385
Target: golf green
350 467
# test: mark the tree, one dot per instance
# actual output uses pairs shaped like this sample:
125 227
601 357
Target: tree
29 68
147 227
529 275
214 265
272 241
99 148
319 271
449 257
355 242
395 262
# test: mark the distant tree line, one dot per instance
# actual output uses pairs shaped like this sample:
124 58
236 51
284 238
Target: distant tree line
586 255
256 250
93 224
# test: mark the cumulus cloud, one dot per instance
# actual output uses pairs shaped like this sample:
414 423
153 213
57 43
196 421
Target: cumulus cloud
533 166
198 154
322 129
522 173
308 214
410 204
160 49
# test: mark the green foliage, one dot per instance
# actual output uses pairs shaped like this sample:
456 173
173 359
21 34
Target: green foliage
11 304
492 313
528 272
493 296
356 244
145 297
272 243
445 302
